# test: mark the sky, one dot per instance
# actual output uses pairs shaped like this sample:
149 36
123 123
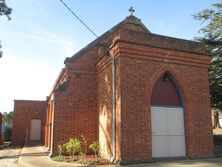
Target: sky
41 34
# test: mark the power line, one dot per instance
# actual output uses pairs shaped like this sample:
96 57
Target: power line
78 18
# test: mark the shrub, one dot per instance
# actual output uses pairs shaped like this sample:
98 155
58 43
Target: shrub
73 146
84 144
61 148
95 146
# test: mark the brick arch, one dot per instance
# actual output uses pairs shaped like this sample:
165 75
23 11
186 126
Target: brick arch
181 84
176 78
166 92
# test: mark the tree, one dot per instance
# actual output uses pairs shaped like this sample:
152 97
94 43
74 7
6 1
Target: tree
7 123
0 50
4 9
7 119
212 38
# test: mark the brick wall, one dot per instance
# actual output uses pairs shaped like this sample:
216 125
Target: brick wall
104 80
140 60
83 99
140 67
24 111
75 111
75 108
104 84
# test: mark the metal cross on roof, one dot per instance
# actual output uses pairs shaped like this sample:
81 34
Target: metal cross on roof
131 11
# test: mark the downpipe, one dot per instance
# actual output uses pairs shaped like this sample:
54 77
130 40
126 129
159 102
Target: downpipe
113 158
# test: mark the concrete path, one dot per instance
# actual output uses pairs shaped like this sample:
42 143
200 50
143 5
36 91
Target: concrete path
214 162
9 156
35 156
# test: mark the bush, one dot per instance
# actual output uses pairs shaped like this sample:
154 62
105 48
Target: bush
73 146
95 146
84 144
61 148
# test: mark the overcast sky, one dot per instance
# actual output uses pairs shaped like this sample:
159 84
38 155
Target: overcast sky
43 33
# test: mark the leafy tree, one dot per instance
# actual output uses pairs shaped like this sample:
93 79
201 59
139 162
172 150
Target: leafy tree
0 50
7 119
4 9
212 38
8 133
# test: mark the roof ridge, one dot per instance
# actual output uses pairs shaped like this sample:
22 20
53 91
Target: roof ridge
135 20
129 19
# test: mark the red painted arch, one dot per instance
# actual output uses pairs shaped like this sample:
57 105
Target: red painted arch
165 92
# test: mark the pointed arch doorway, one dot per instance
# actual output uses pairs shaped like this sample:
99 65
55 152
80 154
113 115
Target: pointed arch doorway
167 119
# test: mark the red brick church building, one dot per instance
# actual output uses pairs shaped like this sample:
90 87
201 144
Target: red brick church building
142 95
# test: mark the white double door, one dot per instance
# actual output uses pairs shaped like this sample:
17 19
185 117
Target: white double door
168 138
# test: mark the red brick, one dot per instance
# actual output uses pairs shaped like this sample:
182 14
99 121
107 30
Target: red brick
81 100
24 111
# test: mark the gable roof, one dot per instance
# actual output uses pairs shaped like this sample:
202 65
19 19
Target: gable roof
130 19
160 41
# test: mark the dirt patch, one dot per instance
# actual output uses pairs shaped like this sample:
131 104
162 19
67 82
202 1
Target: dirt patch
86 159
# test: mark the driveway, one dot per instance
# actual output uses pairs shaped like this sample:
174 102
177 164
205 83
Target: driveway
35 156
9 156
